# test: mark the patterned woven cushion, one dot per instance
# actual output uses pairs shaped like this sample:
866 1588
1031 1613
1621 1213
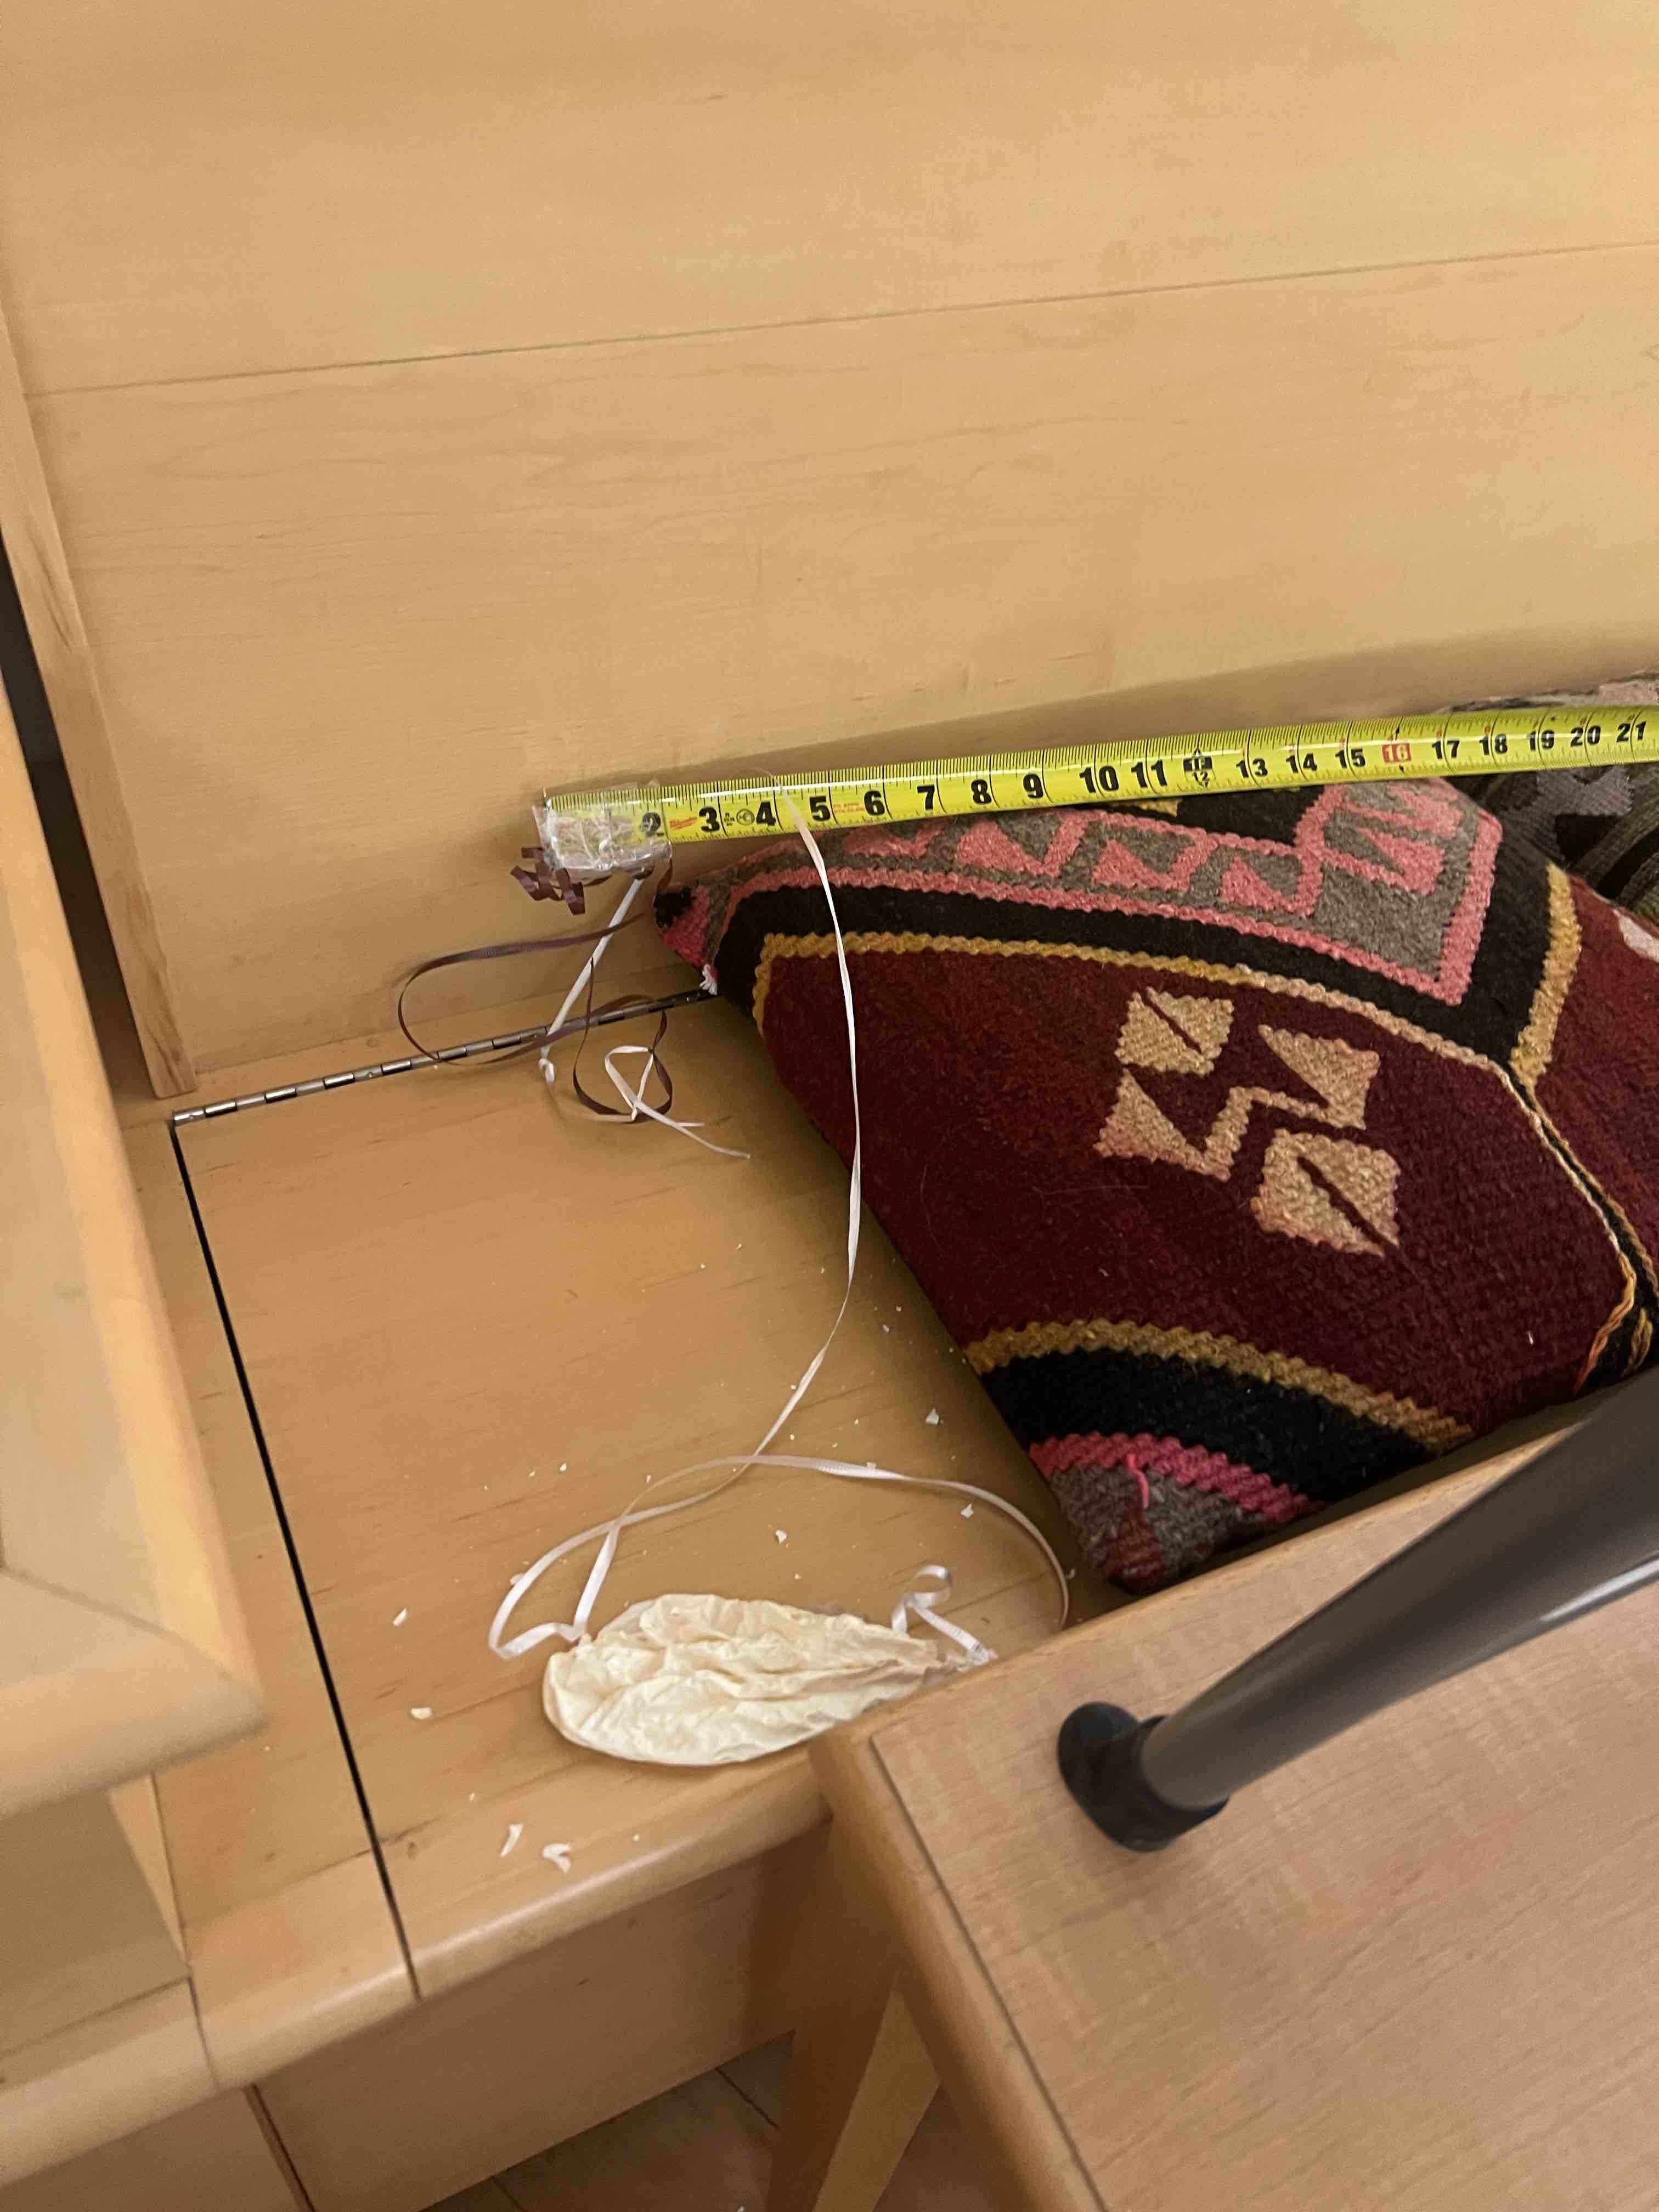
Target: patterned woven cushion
1599 818
1254 1150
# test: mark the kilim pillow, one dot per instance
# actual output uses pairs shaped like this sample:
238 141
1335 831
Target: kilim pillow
1253 1148
1599 817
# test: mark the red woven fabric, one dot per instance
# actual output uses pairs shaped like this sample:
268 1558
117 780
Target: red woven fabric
1253 1150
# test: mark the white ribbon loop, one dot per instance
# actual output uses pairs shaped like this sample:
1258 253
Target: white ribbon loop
934 1583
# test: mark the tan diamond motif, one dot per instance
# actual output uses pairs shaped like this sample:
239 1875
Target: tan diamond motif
1324 1190
1294 1204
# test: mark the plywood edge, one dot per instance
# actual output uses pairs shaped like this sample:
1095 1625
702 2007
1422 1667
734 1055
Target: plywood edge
1017 2137
103 2078
46 591
280 1979
89 1699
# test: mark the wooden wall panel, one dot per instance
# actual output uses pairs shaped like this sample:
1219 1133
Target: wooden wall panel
350 621
189 190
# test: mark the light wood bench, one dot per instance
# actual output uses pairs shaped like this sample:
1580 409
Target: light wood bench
393 422
1414 1969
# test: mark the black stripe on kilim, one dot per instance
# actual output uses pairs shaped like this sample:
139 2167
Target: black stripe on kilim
1295 1436
1493 1012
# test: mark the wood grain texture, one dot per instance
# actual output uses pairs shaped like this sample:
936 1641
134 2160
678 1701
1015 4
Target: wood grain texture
350 622
121 1642
186 198
555 2043
1411 1969
46 595
304 1967
264 1816
213 2158
417 1271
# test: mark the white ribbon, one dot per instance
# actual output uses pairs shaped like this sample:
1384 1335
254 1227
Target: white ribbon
632 1097
919 1601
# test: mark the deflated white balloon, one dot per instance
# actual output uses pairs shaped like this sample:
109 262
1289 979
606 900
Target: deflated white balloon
705 1681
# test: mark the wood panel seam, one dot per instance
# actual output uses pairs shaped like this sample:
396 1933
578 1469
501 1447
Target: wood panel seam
286 1531
695 334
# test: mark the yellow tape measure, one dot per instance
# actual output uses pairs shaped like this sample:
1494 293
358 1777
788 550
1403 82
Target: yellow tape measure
1128 770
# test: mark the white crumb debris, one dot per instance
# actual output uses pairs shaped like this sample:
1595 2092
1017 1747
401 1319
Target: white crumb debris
779 1535
398 1619
514 1830
559 1855
637 1835
933 1419
564 1467
703 1264
419 1712
887 1328
797 1578
967 1512
1070 1574
471 1796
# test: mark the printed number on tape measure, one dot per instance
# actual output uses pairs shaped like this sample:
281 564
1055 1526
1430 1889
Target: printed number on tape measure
582 828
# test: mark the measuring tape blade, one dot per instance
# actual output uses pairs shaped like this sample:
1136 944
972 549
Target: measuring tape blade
589 830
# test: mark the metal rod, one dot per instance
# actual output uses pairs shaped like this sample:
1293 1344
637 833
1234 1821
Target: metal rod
1575 1528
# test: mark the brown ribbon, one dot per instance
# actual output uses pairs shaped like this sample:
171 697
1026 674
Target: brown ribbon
592 1017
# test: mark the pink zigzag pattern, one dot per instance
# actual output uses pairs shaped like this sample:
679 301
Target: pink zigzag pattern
1273 1503
1411 833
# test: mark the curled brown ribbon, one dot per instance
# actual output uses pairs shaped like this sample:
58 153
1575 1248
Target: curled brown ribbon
592 1017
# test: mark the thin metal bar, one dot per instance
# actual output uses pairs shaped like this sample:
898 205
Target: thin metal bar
1562 1534
696 996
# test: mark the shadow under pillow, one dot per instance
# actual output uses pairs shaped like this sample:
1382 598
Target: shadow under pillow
1254 1149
